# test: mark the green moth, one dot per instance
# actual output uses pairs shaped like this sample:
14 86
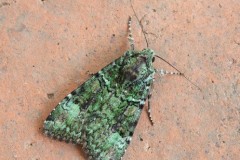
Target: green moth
102 113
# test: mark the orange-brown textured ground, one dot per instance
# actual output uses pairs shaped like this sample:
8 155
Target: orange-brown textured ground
48 48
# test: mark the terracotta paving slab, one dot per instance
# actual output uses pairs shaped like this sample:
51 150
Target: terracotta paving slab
48 48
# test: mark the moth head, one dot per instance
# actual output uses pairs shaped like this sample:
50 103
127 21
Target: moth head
149 54
138 64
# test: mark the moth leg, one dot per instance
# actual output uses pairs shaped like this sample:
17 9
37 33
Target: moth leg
163 72
149 108
130 36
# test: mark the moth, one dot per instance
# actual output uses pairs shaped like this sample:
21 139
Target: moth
102 113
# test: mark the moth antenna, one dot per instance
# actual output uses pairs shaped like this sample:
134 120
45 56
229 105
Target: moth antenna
145 37
130 35
180 73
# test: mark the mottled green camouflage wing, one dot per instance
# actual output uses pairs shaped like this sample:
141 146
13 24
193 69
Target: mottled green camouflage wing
103 112
66 122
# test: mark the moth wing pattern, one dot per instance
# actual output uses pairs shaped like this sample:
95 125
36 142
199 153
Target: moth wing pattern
103 112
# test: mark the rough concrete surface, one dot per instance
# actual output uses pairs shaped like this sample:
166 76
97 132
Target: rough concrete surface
48 48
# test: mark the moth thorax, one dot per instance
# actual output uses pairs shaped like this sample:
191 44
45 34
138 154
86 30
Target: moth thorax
130 74
135 70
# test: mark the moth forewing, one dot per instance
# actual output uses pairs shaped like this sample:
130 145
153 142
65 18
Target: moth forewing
103 112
